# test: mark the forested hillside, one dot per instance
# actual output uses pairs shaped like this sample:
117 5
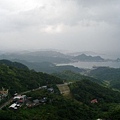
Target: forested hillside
74 76
13 64
79 107
88 99
103 102
49 67
86 90
59 108
111 75
16 79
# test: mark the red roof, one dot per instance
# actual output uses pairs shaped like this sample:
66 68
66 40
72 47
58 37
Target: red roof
94 101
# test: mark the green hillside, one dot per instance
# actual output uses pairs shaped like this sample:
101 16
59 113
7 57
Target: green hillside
49 67
16 79
13 64
86 90
78 106
111 75
73 76
103 102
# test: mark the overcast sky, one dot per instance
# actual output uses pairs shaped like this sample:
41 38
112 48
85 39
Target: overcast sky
75 25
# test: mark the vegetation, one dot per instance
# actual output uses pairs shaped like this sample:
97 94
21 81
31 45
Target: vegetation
85 91
20 80
73 76
49 67
58 107
13 64
112 75
78 106
108 101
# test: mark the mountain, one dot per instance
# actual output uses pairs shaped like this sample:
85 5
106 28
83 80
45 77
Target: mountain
111 76
86 90
83 52
16 79
73 76
38 56
86 58
79 107
88 101
48 67
13 64
103 102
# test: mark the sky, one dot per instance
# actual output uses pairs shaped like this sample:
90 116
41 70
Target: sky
73 25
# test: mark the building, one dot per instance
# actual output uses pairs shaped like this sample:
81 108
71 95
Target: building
94 101
19 99
3 93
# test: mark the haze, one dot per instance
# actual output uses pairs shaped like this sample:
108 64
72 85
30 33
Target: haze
74 25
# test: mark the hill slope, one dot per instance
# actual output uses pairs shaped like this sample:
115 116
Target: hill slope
73 76
19 80
89 58
111 75
86 90
13 64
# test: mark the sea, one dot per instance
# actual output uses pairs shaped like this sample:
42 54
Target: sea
90 65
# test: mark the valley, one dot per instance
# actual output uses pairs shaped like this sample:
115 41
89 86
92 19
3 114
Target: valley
75 89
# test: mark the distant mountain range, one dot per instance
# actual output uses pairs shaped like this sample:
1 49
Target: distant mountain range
89 58
46 61
78 106
48 67
49 56
38 56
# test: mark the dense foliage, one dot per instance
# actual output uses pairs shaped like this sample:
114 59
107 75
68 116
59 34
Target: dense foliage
20 80
73 76
49 67
13 64
86 90
112 75
57 107
108 101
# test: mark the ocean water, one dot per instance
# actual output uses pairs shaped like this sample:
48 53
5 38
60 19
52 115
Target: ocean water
90 65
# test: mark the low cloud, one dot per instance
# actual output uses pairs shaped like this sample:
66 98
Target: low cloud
83 24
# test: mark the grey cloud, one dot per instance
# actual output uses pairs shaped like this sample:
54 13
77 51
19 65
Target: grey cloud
83 24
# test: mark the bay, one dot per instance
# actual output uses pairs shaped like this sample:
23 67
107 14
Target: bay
90 65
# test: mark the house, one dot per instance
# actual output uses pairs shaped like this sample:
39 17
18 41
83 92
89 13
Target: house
94 101
43 100
19 98
36 101
13 106
3 93
44 87
50 90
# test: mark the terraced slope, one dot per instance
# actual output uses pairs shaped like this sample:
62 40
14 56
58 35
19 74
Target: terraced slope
64 89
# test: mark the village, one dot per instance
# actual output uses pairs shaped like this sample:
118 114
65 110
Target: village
20 100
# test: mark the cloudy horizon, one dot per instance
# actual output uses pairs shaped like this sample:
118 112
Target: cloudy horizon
75 25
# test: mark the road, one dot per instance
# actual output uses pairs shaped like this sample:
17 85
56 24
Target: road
62 87
9 101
